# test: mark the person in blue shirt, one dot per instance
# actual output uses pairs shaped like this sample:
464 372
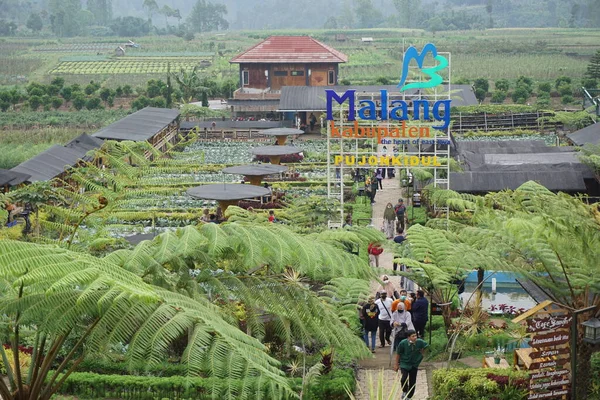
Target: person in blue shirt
420 311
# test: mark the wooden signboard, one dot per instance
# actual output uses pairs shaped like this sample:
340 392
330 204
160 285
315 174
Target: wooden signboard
548 359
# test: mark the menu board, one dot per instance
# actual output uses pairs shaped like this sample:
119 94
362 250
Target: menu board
550 375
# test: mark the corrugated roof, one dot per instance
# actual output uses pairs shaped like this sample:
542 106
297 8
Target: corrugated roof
312 98
50 163
139 126
494 181
242 125
12 178
290 49
589 134
86 142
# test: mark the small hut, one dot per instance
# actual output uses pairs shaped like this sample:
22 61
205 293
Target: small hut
119 51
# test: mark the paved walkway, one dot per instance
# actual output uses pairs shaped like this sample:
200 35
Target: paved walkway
390 194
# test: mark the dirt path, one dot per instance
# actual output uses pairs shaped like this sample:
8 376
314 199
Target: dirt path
391 193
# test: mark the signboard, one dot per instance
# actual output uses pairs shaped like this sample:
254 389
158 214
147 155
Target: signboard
549 339
549 379
549 323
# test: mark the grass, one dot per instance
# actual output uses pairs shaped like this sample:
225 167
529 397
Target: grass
17 146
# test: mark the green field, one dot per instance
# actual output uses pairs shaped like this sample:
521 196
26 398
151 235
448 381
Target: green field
121 67
542 54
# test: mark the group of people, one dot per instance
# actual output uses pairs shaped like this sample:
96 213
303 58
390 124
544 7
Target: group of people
400 318
374 182
216 218
394 220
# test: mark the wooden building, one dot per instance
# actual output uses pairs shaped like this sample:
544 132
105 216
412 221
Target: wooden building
280 61
158 126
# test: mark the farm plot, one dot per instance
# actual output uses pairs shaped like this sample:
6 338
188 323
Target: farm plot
122 67
77 47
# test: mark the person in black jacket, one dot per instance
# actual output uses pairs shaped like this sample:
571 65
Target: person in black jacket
370 314
420 311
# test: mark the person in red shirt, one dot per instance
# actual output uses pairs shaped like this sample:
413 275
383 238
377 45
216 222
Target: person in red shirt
374 251
271 216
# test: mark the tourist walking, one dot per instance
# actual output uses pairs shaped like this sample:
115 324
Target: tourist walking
401 323
374 249
379 177
388 287
389 220
370 316
420 311
409 355
400 210
384 304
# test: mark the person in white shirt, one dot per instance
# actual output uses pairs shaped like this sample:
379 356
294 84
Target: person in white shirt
384 304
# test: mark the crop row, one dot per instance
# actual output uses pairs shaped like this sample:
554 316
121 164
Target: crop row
119 67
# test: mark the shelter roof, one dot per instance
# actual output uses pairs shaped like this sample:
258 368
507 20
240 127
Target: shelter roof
493 181
227 191
282 132
589 134
12 178
139 126
187 125
50 163
290 49
85 142
276 150
312 98
255 169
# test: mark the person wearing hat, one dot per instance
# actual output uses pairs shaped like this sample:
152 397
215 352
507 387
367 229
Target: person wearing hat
370 313
409 355
400 210
384 304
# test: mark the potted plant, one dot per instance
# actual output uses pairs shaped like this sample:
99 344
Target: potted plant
498 354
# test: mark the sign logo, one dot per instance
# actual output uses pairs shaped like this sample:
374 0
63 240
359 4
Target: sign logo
413 54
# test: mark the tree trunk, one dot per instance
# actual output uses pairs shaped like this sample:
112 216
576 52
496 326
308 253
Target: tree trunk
581 382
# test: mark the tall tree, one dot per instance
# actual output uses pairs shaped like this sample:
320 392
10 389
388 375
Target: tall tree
206 17
64 17
367 15
102 10
151 8
593 69
34 22
550 239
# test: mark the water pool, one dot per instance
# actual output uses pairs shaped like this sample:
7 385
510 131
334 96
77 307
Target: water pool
508 291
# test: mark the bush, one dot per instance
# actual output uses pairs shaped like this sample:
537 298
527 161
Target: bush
480 94
565 89
332 386
478 383
562 80
93 103
543 100
566 99
521 94
498 96
482 83
544 87
90 385
502 84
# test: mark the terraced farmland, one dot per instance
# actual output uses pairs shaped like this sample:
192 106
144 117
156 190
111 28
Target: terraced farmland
129 66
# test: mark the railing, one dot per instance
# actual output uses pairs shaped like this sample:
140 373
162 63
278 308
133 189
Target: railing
499 122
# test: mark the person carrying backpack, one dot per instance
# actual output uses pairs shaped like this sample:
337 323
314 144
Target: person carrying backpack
400 210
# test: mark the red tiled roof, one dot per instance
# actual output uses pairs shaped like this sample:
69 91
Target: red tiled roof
290 49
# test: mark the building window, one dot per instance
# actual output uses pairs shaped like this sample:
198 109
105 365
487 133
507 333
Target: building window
331 77
245 77
280 73
297 73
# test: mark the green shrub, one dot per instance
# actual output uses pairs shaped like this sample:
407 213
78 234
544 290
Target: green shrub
332 386
498 96
478 383
545 87
566 99
502 85
90 385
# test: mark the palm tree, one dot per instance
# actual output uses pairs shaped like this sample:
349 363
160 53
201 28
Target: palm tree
550 239
72 296
190 84
151 7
